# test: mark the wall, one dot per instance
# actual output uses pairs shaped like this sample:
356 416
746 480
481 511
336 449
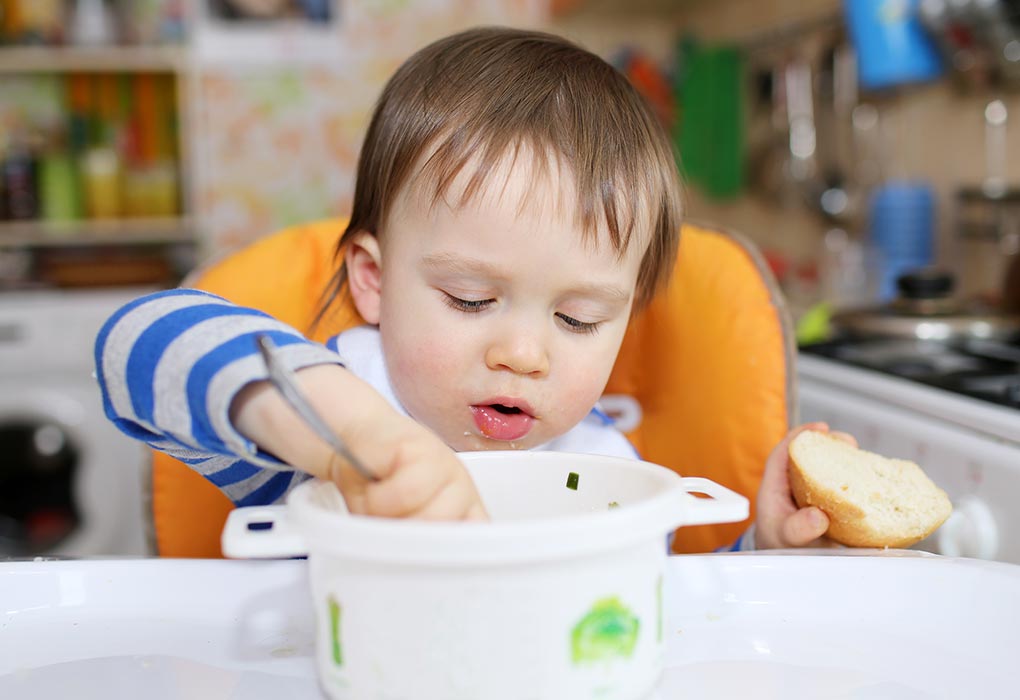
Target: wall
279 116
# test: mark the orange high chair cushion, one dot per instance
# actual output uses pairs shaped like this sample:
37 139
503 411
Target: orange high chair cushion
709 364
710 361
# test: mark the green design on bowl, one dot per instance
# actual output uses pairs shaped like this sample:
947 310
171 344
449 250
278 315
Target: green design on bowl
334 629
608 631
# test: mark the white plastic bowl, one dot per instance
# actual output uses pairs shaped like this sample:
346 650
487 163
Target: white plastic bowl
558 598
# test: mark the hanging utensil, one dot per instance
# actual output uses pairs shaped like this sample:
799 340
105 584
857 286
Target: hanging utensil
988 215
839 200
286 383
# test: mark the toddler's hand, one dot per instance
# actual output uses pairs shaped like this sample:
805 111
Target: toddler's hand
419 475
779 522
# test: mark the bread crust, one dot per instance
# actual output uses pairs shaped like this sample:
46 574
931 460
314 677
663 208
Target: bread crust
847 521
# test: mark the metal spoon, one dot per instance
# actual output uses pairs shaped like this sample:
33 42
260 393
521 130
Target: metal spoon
286 383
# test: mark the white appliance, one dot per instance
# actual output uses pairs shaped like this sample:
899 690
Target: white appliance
969 447
70 482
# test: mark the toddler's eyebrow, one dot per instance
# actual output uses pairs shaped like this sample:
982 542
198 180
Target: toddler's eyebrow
448 262
468 266
612 295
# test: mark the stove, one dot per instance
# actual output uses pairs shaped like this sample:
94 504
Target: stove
953 409
980 369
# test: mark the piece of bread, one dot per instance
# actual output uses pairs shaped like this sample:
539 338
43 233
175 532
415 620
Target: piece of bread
871 500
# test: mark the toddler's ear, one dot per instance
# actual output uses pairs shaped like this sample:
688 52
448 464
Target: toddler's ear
364 274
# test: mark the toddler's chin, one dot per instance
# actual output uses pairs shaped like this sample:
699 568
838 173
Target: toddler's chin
472 442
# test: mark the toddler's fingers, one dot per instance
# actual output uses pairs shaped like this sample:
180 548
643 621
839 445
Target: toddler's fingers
477 512
845 437
351 484
774 479
355 499
404 493
804 526
452 502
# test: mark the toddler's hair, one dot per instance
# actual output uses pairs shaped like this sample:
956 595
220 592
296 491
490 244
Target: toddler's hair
483 94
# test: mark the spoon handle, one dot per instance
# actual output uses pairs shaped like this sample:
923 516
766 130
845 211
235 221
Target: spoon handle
286 383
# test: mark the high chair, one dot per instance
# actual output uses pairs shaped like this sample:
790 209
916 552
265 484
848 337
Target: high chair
705 371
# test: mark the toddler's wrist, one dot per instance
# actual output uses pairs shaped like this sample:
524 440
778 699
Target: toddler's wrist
747 541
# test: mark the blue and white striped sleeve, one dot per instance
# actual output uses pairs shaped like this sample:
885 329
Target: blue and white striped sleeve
170 363
744 543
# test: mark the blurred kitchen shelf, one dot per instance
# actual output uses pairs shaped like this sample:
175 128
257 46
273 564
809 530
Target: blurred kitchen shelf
119 59
140 231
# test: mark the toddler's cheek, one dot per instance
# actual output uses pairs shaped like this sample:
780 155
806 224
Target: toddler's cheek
434 363
421 359
575 401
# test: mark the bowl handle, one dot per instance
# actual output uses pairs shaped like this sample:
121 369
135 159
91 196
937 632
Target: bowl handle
724 506
261 532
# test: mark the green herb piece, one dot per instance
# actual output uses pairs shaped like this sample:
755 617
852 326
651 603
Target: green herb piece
572 479
614 504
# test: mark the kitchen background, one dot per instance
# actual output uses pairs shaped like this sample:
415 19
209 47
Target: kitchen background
852 141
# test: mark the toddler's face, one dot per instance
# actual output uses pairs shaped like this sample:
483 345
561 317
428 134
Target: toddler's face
500 324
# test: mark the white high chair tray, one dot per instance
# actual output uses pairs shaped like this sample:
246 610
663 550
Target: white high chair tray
885 625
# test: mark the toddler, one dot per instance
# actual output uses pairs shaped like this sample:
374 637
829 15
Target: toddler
516 202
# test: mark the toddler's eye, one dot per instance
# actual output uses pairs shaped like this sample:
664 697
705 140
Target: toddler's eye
467 305
575 326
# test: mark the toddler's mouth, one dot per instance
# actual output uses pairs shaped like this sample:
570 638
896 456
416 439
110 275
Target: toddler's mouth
503 420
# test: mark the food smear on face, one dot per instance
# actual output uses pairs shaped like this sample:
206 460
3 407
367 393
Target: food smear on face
608 631
572 480
499 422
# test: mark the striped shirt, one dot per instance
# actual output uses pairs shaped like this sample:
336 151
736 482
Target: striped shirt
170 363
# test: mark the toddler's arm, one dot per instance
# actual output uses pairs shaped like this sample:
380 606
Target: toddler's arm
168 366
171 365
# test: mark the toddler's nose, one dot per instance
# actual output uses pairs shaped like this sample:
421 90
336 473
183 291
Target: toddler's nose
520 355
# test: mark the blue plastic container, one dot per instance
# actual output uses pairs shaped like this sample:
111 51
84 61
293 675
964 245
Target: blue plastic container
892 46
902 230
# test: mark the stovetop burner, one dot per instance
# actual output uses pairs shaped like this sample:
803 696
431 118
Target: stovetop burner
983 370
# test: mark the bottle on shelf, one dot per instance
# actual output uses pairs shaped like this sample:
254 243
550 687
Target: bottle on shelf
150 181
151 22
10 21
78 107
101 182
31 22
59 194
92 23
18 170
3 189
